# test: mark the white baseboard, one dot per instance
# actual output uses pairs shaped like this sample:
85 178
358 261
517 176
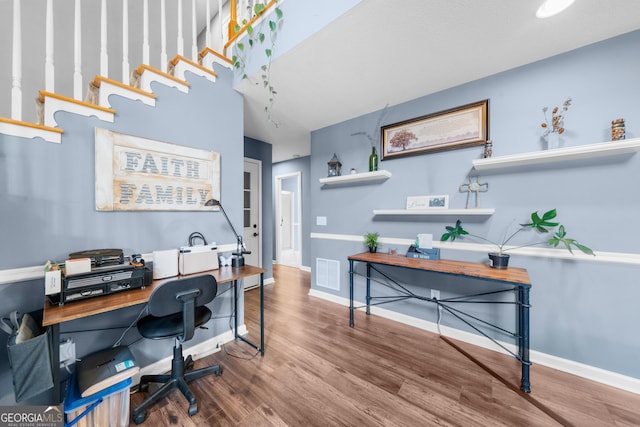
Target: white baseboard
198 351
565 365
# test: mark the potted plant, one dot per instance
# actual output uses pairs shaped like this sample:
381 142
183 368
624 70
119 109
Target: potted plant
541 224
371 240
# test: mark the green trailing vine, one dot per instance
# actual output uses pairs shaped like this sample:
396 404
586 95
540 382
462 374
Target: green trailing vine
257 37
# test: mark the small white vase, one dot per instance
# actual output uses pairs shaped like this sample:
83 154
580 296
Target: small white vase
553 140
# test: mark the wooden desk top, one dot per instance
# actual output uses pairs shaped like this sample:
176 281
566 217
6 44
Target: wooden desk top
54 314
511 275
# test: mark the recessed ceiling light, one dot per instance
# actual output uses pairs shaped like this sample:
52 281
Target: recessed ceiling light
552 7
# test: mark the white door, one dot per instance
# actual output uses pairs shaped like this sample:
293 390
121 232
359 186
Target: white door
286 220
289 219
252 216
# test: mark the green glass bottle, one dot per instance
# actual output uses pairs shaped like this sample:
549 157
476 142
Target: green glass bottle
373 160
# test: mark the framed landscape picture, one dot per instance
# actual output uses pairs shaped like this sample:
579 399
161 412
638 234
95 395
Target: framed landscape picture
459 127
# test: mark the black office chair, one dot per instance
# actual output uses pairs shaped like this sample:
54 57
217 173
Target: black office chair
176 308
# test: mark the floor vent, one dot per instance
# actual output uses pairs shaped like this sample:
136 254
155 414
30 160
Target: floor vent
328 273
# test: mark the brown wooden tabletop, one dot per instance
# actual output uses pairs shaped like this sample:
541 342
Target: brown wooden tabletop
54 314
461 268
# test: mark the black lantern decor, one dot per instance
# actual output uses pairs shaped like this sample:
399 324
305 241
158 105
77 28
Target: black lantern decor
334 166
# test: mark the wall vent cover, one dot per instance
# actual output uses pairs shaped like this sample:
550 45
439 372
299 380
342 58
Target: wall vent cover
328 273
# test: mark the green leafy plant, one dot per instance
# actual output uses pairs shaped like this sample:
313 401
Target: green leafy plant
371 240
256 36
541 224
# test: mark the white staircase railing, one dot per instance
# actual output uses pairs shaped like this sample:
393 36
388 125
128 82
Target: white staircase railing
89 52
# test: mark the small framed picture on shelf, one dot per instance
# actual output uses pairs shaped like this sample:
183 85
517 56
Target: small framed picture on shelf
428 202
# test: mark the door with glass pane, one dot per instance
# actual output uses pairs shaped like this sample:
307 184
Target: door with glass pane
252 216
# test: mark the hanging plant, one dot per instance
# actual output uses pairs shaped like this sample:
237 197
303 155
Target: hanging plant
256 37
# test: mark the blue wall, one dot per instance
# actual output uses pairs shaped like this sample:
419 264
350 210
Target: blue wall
583 311
48 205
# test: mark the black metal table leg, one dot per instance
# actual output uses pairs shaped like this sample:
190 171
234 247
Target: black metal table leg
523 333
368 288
240 337
351 293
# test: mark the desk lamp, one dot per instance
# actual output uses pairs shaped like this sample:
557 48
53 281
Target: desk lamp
238 258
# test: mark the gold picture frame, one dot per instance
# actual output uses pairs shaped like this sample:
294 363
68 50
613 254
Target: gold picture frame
460 127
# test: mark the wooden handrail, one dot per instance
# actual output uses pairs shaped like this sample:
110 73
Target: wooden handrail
233 19
234 36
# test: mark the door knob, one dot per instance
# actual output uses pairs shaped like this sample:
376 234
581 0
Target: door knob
255 234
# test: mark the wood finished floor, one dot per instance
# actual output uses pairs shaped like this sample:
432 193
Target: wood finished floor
319 372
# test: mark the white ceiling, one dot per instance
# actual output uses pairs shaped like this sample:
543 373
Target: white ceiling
388 52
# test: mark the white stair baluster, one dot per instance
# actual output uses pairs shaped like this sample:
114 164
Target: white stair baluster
104 58
194 35
77 52
208 38
223 33
145 33
180 37
163 36
49 71
16 65
125 41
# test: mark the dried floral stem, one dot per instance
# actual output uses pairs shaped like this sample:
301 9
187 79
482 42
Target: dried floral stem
557 119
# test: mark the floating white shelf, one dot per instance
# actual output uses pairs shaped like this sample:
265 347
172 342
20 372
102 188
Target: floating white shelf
560 154
448 212
357 177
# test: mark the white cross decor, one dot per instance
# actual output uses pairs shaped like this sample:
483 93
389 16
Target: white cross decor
474 187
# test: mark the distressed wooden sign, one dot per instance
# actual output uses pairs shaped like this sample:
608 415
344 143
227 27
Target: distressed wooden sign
134 173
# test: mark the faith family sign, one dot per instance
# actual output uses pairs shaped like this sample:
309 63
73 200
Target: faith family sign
134 173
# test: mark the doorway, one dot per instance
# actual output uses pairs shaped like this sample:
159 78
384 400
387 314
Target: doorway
288 219
252 217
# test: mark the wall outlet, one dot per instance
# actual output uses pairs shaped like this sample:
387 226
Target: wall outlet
435 294
67 352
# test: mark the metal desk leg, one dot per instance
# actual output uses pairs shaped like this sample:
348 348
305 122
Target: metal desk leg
240 337
351 293
368 288
261 314
523 325
235 309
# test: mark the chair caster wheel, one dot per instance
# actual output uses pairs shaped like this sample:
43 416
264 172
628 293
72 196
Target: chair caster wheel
219 371
193 409
139 418
188 363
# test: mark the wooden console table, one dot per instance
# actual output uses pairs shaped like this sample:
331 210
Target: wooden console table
516 279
